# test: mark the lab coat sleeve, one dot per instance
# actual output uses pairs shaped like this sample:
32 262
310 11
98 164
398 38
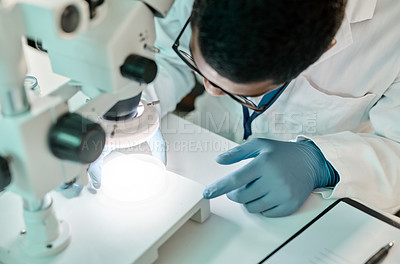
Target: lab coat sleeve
368 164
174 78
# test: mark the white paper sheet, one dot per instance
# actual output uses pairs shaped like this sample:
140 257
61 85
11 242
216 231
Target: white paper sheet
344 235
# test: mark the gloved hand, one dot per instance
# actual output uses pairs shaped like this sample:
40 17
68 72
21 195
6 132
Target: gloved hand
158 147
95 169
70 190
156 144
278 180
73 189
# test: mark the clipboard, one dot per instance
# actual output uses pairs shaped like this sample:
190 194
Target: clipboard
346 232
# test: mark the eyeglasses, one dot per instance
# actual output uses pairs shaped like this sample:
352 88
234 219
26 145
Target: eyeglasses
241 99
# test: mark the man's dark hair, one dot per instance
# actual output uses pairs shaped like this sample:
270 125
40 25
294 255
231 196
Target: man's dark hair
255 40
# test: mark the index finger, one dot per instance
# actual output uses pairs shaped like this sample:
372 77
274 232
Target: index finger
232 181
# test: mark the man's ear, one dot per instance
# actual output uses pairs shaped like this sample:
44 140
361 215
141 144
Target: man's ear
214 91
333 43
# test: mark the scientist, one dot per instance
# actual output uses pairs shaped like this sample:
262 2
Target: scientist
312 86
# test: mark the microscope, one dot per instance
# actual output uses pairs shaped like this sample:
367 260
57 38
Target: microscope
105 48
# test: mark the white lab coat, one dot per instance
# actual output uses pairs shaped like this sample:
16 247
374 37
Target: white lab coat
348 102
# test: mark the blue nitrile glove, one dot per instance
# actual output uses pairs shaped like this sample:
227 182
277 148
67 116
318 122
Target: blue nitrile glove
158 146
278 180
70 190
73 189
95 169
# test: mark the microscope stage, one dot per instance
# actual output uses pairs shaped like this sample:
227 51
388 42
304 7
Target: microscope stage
106 231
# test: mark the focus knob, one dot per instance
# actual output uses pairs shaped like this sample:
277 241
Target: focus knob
76 138
139 69
5 174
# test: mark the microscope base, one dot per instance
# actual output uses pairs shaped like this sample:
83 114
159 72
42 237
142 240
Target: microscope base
105 231
46 249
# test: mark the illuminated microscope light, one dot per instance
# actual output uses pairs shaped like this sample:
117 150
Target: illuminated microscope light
133 177
128 175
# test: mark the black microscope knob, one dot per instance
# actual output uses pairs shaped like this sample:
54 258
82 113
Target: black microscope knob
139 69
76 138
5 174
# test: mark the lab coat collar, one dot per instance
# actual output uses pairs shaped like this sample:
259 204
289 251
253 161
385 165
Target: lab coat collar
360 10
356 11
